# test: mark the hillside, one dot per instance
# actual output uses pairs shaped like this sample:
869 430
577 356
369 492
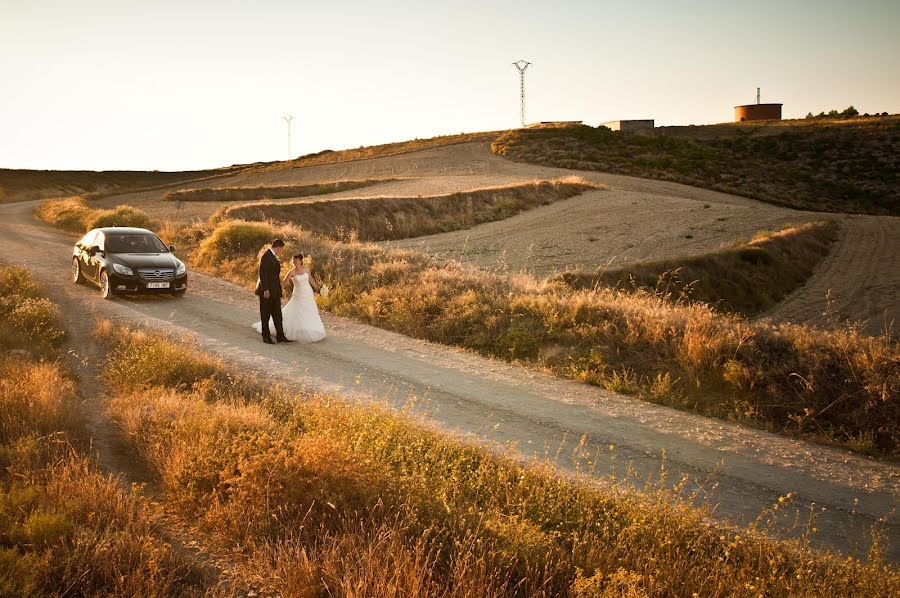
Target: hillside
847 166
25 185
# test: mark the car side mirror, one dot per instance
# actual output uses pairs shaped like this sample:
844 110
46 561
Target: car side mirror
94 250
171 248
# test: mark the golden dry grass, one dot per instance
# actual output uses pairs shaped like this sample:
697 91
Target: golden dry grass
383 218
66 528
747 278
76 215
28 319
261 192
322 497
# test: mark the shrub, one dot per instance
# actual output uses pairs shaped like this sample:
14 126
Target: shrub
72 213
17 281
234 238
29 319
121 216
76 215
36 398
174 363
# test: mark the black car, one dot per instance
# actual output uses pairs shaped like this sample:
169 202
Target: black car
128 260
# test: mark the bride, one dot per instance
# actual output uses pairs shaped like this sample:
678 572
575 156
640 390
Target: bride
301 315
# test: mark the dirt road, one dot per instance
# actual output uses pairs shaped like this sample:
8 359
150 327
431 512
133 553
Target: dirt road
742 471
859 279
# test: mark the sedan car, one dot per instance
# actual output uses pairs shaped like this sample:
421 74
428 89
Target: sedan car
128 260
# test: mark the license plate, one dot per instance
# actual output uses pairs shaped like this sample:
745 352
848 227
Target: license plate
157 285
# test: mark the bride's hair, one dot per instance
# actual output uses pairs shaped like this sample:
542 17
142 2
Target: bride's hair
298 256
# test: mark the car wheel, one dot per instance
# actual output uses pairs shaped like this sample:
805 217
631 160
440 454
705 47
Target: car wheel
105 288
76 271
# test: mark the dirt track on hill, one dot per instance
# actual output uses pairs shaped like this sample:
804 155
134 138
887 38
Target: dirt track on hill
634 220
742 471
859 279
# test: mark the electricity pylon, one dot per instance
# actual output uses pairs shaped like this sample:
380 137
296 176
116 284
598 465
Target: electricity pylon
521 66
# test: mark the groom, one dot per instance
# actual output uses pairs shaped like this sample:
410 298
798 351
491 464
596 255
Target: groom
268 288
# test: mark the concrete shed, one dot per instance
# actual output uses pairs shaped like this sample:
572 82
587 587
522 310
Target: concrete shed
628 125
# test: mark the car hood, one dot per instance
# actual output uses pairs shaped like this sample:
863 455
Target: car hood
146 260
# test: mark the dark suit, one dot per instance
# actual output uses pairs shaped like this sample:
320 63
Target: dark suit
270 280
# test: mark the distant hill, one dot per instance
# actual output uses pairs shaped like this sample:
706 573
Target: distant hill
827 165
24 185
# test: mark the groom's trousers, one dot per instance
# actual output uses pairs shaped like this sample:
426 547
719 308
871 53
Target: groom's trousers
270 308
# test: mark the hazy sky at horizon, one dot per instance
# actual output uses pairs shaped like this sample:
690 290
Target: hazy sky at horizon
169 85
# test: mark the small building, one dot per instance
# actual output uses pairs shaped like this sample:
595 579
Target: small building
628 125
554 124
757 112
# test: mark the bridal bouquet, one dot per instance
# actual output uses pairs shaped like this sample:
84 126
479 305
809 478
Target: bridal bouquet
324 290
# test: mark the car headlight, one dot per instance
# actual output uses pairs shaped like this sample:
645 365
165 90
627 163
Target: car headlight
181 269
123 270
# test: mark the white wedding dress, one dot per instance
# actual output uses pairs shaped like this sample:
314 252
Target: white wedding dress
300 316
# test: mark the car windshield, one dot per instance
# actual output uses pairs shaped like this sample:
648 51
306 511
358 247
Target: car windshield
133 243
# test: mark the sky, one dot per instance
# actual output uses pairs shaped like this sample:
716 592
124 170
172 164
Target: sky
191 84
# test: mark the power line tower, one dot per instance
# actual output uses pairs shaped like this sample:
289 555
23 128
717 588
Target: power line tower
288 120
522 66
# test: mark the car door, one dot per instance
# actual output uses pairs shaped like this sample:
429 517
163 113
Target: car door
82 247
92 265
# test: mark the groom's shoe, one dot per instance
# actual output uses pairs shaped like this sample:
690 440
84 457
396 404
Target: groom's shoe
268 340
283 339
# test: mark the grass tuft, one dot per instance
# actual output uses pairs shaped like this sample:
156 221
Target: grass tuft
28 319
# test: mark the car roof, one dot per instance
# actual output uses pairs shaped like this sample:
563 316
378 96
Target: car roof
124 229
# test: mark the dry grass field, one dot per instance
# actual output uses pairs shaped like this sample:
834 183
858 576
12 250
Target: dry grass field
66 527
317 497
310 495
383 218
